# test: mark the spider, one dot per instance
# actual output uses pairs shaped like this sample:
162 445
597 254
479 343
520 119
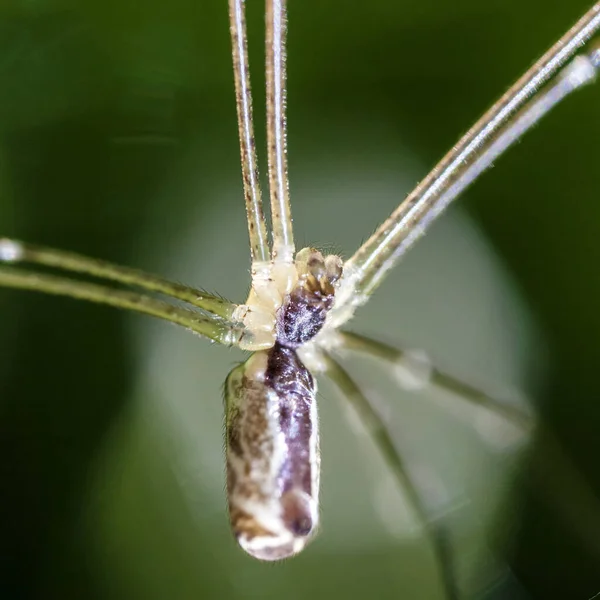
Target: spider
292 318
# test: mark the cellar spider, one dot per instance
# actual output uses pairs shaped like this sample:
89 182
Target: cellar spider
285 283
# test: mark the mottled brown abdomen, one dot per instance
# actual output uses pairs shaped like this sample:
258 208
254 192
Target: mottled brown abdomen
272 453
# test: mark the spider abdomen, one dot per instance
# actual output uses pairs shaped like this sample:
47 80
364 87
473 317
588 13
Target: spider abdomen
272 446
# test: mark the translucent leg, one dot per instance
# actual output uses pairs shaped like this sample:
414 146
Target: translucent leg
271 280
495 131
207 326
377 430
429 375
13 251
555 478
257 229
281 214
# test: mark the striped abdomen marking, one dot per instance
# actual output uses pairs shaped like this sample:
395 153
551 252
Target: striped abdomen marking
272 453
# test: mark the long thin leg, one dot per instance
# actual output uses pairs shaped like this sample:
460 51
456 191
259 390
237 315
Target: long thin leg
281 214
556 479
434 377
13 251
578 73
377 430
210 327
473 154
257 229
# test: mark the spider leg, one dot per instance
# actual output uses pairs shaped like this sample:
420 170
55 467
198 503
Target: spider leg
281 215
274 278
14 251
377 430
413 366
503 124
257 229
555 478
206 325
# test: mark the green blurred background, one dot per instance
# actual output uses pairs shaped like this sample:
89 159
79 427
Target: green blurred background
118 140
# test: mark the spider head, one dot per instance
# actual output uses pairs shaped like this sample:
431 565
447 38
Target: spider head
289 302
304 310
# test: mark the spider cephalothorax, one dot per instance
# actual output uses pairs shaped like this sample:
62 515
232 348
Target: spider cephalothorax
288 303
304 311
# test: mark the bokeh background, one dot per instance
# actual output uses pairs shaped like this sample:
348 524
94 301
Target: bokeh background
118 140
